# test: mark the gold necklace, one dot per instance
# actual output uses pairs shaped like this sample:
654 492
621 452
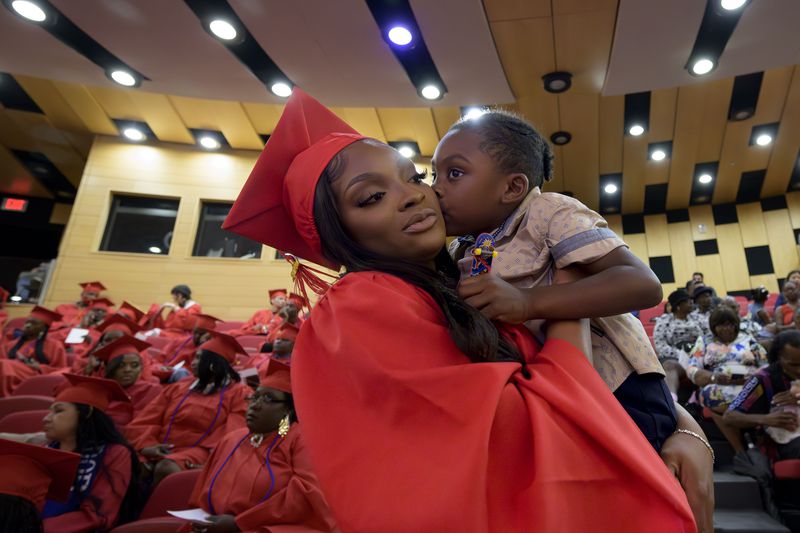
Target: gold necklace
256 439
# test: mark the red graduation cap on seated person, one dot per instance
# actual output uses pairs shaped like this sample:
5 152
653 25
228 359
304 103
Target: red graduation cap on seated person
298 300
45 315
121 346
100 303
223 345
274 293
206 321
97 392
277 376
36 473
92 286
119 323
276 204
131 311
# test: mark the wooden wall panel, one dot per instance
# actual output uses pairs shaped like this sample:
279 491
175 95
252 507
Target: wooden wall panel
751 224
655 230
702 215
731 252
637 242
615 223
782 246
681 250
770 281
711 267
784 153
793 202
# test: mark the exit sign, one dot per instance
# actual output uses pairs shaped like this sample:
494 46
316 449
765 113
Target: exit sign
14 204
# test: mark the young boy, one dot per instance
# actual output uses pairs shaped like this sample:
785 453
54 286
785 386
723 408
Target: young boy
487 173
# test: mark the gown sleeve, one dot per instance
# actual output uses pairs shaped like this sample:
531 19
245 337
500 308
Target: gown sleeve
100 509
145 428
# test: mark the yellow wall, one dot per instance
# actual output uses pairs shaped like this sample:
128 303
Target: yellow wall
231 289
727 270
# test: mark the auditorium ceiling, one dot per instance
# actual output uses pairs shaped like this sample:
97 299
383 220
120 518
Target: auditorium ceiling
625 57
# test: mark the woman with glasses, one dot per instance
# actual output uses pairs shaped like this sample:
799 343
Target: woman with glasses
260 475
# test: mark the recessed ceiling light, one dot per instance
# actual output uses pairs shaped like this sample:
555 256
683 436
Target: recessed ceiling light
407 151
16 298
209 142
133 134
561 138
658 155
764 139
557 82
702 66
731 5
743 114
29 10
431 92
610 188
223 29
705 179
636 130
154 250
701 199
473 112
400 35
282 89
123 77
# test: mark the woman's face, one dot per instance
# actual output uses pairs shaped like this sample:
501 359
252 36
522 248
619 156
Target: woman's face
32 327
790 361
385 207
61 422
795 277
726 332
790 291
684 308
266 408
129 370
108 337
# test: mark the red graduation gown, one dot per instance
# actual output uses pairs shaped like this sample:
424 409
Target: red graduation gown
179 349
296 502
108 490
406 434
14 371
71 314
179 320
256 324
142 393
191 421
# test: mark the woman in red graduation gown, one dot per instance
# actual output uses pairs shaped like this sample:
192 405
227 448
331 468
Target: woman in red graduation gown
261 319
73 313
419 414
123 362
182 425
259 478
183 349
106 491
33 353
110 330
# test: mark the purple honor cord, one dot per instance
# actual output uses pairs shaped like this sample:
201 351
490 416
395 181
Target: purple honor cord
210 427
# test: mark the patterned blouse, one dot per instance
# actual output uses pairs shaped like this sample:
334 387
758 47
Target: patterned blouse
674 337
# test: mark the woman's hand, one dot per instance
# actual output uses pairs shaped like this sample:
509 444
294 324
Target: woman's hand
782 419
785 399
159 451
221 524
34 364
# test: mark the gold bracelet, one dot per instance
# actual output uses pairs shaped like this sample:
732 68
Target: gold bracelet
701 439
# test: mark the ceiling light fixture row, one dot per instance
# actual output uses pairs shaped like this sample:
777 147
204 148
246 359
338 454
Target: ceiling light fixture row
719 21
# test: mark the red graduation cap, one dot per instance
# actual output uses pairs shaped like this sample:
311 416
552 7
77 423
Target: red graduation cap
100 303
119 323
206 321
287 332
223 345
45 315
131 311
97 392
121 346
36 473
276 205
298 300
92 286
274 293
277 376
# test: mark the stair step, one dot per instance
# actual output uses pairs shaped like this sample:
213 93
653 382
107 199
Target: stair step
728 521
732 491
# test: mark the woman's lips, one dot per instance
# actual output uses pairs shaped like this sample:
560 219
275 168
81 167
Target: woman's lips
422 221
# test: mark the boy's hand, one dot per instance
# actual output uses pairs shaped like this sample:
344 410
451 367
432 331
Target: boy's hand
495 298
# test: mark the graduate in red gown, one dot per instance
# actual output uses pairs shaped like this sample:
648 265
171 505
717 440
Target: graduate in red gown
419 414
31 475
92 316
183 349
73 313
109 330
182 425
106 491
33 353
259 478
260 321
131 312
180 318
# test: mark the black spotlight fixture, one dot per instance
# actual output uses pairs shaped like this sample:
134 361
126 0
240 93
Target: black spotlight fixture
560 138
744 97
557 82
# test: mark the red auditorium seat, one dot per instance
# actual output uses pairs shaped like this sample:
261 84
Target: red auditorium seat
743 303
172 494
23 421
45 385
11 325
788 469
15 404
770 303
646 315
225 327
162 524
251 341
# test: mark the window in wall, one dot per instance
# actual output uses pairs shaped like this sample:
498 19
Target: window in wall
213 241
140 225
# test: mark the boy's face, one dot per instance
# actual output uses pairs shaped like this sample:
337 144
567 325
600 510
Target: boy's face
468 184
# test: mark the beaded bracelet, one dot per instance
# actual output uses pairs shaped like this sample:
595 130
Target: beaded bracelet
701 439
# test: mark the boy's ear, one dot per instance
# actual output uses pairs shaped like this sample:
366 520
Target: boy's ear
516 188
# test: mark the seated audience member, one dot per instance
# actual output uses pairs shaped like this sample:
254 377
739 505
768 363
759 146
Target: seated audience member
131 312
260 476
289 315
756 308
784 315
721 366
182 425
30 282
702 297
283 344
73 313
123 362
793 275
182 350
32 475
770 398
261 320
93 315
110 330
674 336
179 319
106 491
746 323
3 314
32 353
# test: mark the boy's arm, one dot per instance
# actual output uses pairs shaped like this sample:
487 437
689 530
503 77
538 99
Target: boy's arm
616 283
